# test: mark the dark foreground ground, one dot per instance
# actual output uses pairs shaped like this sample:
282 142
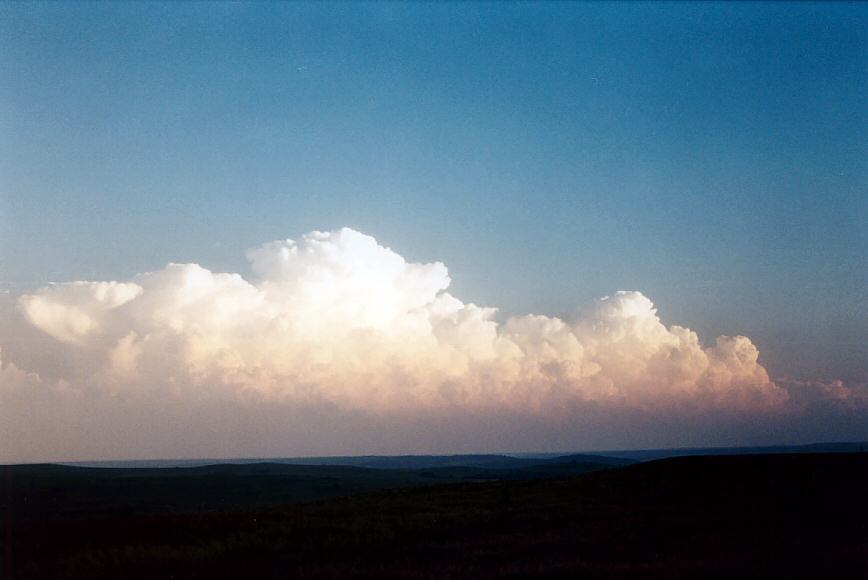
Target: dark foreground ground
759 516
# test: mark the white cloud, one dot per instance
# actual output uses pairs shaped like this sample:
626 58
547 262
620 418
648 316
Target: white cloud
336 321
337 317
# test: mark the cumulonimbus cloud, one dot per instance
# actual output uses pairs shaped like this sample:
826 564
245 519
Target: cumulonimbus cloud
336 319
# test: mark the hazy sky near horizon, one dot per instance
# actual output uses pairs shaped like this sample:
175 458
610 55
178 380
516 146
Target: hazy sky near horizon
713 157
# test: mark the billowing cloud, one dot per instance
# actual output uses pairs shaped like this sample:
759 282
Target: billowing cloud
334 321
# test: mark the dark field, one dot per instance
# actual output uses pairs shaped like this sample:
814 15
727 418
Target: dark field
756 516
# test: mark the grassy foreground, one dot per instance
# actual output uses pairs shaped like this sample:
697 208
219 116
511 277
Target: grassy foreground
765 516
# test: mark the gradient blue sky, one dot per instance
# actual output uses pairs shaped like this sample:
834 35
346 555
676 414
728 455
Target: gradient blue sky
713 156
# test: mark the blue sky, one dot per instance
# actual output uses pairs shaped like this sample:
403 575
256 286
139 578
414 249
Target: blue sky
713 156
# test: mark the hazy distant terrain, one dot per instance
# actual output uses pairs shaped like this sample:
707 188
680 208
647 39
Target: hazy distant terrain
750 516
487 461
508 461
651 454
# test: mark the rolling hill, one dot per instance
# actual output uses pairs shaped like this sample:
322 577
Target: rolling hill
750 516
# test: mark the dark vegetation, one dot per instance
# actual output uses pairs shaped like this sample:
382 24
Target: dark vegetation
752 516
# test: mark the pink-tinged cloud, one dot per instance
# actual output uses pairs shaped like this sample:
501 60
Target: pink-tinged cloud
336 326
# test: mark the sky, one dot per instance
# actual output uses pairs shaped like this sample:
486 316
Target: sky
363 228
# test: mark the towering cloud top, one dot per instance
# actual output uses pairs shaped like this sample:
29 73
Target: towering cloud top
337 319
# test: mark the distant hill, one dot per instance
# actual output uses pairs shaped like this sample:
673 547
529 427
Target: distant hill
63 490
487 461
651 454
480 461
484 461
